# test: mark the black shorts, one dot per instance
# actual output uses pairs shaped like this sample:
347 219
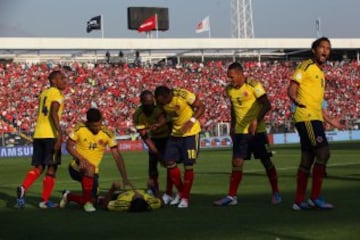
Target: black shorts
245 145
44 152
259 146
77 176
312 135
182 149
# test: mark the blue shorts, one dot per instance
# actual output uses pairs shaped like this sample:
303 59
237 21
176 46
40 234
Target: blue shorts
312 135
244 145
44 153
77 176
182 149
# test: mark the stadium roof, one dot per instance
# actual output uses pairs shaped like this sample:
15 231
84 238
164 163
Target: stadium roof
61 48
167 44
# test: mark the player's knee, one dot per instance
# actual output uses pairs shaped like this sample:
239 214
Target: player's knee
170 164
38 169
237 162
189 167
322 155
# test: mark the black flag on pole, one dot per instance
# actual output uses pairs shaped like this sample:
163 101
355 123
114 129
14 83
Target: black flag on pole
94 24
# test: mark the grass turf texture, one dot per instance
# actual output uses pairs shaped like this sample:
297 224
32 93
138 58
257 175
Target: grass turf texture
253 218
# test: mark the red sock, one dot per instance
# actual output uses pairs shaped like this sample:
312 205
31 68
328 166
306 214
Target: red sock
175 177
30 177
302 178
317 179
87 187
169 185
188 181
235 180
75 198
273 179
48 186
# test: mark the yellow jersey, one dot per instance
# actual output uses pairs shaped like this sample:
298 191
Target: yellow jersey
123 201
310 92
45 128
244 105
179 110
91 146
143 121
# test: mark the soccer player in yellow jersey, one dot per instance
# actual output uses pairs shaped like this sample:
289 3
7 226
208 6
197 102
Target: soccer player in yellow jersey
119 200
87 144
184 109
47 141
306 91
144 117
249 104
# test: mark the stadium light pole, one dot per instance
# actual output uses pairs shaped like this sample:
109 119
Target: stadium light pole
241 19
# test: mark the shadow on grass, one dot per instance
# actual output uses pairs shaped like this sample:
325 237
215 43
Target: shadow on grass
253 218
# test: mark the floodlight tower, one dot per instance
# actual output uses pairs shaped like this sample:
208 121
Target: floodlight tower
241 19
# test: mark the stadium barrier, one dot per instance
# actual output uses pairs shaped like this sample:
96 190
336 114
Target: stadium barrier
206 142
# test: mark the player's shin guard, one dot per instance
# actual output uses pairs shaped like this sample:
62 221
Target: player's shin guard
31 177
188 181
175 176
235 179
302 179
48 186
317 178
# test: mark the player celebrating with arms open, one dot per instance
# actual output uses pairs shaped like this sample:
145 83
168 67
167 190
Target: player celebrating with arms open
306 91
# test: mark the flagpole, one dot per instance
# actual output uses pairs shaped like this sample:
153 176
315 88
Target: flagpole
209 28
157 26
102 26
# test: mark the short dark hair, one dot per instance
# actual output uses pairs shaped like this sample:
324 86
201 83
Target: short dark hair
139 205
145 93
162 91
54 74
93 115
317 42
235 65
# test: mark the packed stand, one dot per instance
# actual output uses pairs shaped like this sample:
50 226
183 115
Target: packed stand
115 90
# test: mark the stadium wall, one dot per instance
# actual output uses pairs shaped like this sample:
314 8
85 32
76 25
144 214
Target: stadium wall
205 143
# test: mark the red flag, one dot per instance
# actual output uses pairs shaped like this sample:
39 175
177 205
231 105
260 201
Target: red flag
149 24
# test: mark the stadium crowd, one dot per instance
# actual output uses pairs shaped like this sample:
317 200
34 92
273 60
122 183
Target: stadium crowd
115 89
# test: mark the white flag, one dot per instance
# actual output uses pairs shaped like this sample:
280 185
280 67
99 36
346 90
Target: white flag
203 26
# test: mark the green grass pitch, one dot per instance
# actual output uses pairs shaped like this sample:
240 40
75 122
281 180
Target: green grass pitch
253 218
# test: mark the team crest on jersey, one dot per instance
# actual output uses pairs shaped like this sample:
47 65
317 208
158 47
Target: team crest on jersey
319 139
245 94
177 107
101 142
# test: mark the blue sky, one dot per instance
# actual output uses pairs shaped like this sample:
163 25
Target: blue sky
272 18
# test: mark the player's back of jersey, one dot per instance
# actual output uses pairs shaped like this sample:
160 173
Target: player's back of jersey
44 126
